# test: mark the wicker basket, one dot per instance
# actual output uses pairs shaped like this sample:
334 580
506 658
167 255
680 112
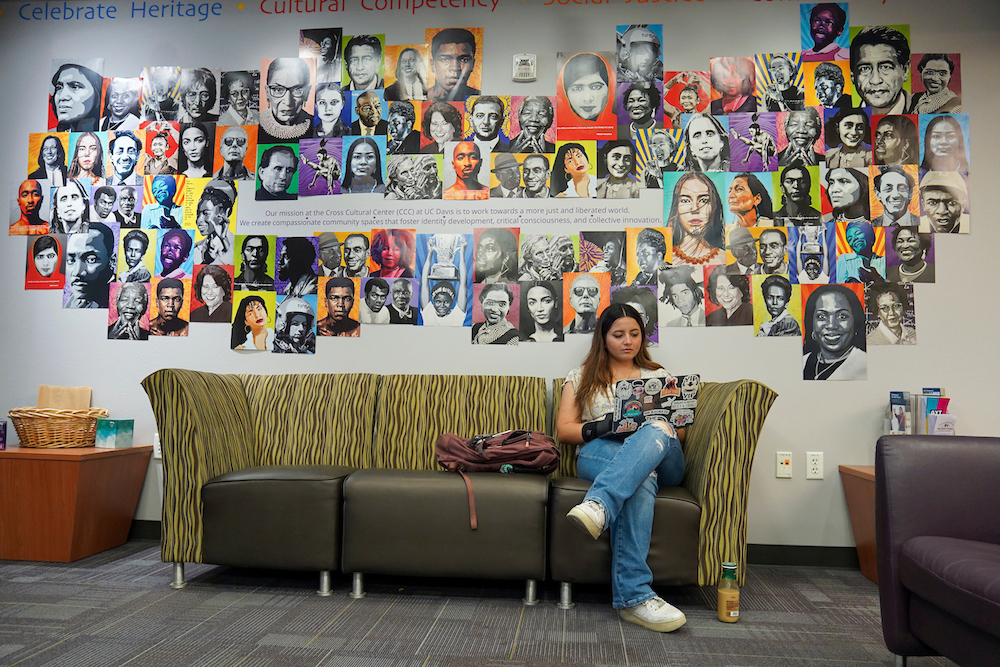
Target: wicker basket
53 428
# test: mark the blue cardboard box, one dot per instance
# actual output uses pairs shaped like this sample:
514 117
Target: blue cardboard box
114 433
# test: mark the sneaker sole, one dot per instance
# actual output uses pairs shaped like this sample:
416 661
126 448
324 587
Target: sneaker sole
581 520
662 626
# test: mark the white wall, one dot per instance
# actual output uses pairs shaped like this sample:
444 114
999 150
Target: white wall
41 343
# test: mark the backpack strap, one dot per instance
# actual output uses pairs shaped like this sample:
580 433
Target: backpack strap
473 520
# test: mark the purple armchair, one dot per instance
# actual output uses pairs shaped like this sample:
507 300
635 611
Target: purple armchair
937 524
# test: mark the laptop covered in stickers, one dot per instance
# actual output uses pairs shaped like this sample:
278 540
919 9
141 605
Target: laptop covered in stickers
670 399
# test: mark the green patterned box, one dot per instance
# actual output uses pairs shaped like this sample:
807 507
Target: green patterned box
114 433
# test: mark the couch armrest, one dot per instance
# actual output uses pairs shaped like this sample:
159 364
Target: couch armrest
929 485
205 430
718 455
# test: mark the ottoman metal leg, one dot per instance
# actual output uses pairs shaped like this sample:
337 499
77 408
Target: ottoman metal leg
357 586
178 581
324 583
530 593
566 595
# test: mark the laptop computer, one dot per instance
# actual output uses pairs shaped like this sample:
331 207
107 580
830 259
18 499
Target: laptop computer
671 399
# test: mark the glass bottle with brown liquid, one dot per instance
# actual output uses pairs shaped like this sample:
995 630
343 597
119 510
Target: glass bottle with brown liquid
729 595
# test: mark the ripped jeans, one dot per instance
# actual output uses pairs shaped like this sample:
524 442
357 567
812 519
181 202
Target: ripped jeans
626 476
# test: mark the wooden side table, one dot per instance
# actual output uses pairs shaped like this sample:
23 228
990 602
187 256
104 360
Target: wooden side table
859 487
61 505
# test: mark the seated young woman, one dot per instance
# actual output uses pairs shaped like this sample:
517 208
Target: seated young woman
625 473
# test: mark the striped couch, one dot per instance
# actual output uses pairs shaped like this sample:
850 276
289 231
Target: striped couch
330 472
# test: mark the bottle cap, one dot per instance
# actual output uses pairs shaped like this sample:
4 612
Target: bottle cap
728 566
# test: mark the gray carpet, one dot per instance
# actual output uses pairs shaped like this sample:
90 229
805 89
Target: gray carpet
116 608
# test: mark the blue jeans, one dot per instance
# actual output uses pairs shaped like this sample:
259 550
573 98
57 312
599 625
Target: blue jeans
626 476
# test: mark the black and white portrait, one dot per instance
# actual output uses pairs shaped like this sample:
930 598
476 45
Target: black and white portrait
75 95
199 95
891 317
363 62
121 104
238 98
324 45
640 56
286 110
413 177
880 69
160 93
834 345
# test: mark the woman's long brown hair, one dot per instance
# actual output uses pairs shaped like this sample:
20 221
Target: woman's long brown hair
597 366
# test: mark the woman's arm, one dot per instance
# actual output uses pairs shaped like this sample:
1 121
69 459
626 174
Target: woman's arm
569 421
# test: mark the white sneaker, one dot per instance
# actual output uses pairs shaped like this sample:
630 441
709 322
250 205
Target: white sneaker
589 517
655 614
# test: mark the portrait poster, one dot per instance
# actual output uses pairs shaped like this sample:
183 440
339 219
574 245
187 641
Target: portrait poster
682 296
120 107
403 135
295 324
860 252
215 218
164 197
705 143
345 321
541 311
323 44
639 52
136 255
88 286
197 156
193 187
212 293
808 211
640 107
909 256
456 59
484 119
75 94
704 218
132 324
684 92
728 298
742 236
466 171
444 258
393 253
749 199
777 307
509 167
833 344
374 308
812 252
372 104
495 254
162 142
174 258
55 149
796 128
536 258
441 122
31 207
905 84
574 169
273 179
165 317
847 134
733 85
585 88
564 248
891 314
364 62
45 262
944 142
404 299
87 152
499 309
585 296
644 299
199 95
364 170
239 102
297 265
407 63
235 152
410 177
161 88
533 127
937 82
827 85
320 169
823 27
305 105
656 153
126 165
893 193
69 209
753 141
253 321
780 81
604 252
256 261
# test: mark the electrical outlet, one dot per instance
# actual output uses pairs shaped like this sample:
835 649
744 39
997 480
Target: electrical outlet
814 465
783 465
157 449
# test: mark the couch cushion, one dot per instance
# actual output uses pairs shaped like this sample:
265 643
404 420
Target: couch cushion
413 410
960 576
313 419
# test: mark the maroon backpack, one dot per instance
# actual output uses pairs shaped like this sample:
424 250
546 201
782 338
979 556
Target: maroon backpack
507 452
